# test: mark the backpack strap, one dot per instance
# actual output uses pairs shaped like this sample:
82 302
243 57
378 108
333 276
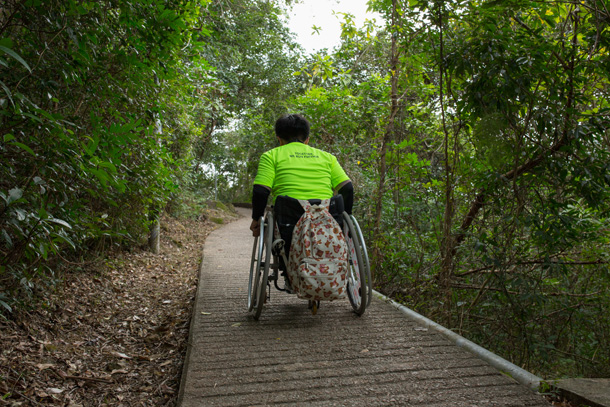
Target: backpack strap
325 203
305 204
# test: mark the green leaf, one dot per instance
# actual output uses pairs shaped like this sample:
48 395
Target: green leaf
45 114
21 214
102 176
8 137
90 149
42 249
108 165
7 42
42 213
7 239
14 194
33 117
7 91
16 56
24 147
5 305
65 239
60 222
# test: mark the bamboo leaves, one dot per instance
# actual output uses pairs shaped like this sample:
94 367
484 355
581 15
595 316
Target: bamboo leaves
4 62
15 56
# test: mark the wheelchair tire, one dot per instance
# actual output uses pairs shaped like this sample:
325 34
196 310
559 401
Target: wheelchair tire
255 266
255 263
357 287
259 289
367 263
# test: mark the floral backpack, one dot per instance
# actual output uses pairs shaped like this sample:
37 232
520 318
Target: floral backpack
317 263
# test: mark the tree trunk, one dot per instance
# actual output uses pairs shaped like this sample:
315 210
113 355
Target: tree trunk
377 255
447 253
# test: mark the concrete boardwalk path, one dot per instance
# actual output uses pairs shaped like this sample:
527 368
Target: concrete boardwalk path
335 358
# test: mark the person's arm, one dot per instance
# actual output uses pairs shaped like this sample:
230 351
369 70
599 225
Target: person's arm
260 195
263 182
346 190
343 184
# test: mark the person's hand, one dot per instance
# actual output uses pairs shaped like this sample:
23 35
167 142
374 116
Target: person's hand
255 227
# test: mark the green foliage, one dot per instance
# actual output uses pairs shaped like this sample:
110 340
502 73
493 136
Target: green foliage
94 130
219 221
513 157
522 139
254 57
490 119
187 205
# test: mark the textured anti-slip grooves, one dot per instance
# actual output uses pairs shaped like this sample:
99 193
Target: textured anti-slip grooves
333 358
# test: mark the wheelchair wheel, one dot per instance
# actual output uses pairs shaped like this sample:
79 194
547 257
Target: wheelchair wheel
357 283
259 266
367 263
255 262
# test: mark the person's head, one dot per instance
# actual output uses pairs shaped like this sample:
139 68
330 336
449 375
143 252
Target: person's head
292 127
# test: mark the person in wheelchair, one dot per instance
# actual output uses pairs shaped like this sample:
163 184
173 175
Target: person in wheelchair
294 171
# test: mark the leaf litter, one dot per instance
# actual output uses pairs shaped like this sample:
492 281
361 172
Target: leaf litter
113 335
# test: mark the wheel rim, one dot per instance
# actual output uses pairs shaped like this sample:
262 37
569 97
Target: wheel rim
365 259
356 278
354 284
263 272
255 268
253 262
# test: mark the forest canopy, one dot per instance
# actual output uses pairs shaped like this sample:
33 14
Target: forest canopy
475 132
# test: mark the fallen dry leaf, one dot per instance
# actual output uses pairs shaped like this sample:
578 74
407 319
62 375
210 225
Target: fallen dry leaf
43 366
62 354
121 355
54 390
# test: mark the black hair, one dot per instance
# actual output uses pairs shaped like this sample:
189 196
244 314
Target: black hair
292 127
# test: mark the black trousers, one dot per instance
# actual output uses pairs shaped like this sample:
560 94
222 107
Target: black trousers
287 212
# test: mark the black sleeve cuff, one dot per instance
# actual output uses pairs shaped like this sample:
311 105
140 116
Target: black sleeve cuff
347 192
260 195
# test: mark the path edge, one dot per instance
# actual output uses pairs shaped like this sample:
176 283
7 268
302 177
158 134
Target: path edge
189 345
518 374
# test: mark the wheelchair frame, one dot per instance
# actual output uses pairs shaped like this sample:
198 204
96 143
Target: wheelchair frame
265 258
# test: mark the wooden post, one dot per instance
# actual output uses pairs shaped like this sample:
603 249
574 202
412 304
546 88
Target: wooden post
154 229
154 235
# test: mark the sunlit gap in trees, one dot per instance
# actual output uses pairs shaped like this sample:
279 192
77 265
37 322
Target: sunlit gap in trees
215 168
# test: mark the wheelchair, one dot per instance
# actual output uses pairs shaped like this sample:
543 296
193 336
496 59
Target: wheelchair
267 264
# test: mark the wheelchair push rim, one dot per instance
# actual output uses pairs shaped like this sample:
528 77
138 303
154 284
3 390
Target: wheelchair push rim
259 267
365 258
255 265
